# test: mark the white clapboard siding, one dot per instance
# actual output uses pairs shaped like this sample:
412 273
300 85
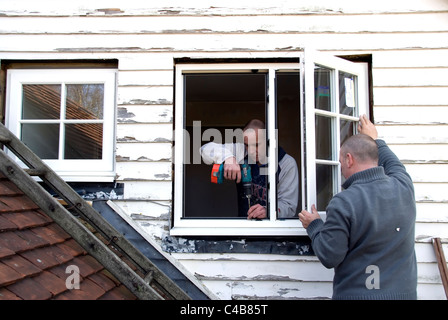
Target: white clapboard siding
215 7
410 77
431 153
157 61
270 290
269 269
145 95
429 282
428 22
155 171
145 210
131 113
408 42
410 96
436 173
146 78
414 134
436 192
430 291
424 255
146 152
414 58
147 190
432 212
261 276
155 228
431 229
221 42
145 133
409 115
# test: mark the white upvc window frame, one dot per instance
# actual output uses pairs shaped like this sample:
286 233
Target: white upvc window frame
271 226
221 227
82 170
311 59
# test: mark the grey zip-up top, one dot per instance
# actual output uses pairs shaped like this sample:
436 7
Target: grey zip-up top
369 233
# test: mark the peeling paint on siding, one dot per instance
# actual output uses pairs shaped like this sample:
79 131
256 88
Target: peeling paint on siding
149 102
124 116
110 10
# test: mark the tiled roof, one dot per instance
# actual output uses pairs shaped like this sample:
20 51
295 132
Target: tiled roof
35 253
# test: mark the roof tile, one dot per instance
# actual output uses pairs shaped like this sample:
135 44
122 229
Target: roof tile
111 277
22 266
8 275
30 289
17 203
5 252
52 233
25 219
5 224
60 270
88 291
13 242
7 295
8 188
103 281
44 258
3 206
72 247
51 282
87 265
33 240
119 293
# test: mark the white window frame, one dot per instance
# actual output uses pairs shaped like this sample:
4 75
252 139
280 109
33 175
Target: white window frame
311 59
82 170
271 226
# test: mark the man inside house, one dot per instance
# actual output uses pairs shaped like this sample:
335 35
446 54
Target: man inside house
253 150
369 233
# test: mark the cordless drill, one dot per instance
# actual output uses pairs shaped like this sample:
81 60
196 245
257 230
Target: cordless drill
217 176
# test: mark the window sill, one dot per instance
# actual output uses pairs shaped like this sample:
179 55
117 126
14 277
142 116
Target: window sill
238 231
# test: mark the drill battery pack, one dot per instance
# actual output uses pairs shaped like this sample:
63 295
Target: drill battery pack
217 175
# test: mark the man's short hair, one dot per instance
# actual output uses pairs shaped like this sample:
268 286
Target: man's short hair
362 147
254 124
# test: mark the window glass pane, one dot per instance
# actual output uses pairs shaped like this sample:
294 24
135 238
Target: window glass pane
84 101
42 139
83 141
347 94
322 88
289 125
324 138
41 101
217 107
347 130
326 177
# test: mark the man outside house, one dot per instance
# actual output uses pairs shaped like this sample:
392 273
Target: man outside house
368 236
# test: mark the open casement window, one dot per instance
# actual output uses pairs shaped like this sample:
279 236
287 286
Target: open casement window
214 101
66 117
336 94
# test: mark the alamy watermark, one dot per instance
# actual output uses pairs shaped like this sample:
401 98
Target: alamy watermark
373 280
73 280
255 141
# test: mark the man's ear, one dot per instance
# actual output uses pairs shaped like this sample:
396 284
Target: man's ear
350 161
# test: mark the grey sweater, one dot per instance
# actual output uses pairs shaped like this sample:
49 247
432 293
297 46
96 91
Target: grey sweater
368 236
